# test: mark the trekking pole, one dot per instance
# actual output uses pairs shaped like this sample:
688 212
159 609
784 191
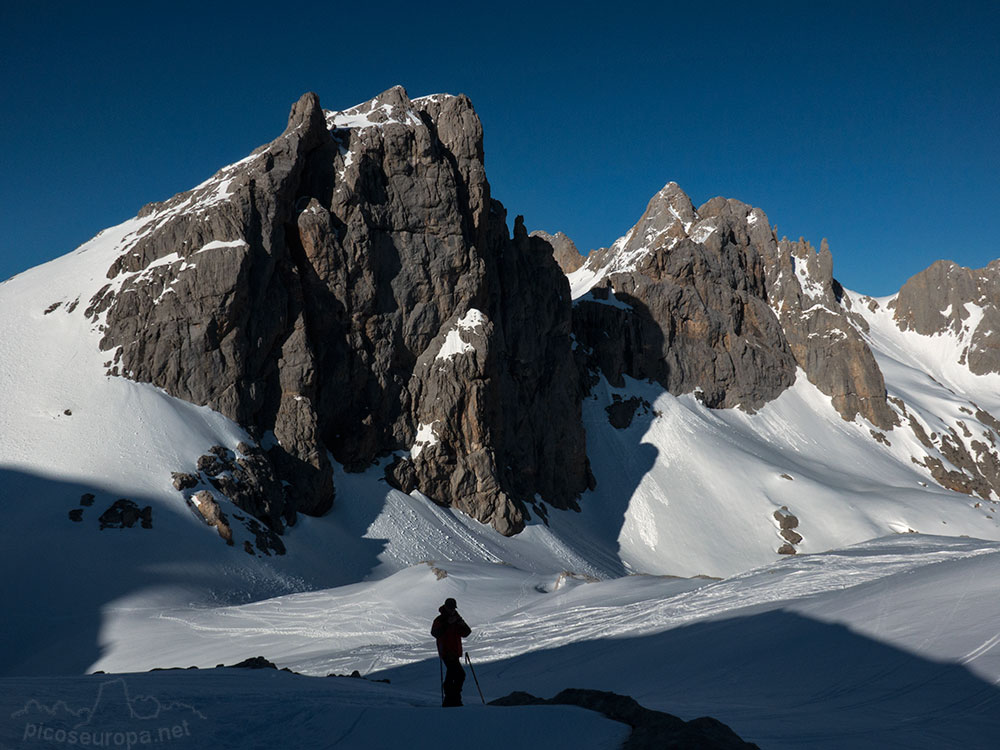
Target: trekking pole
441 673
469 662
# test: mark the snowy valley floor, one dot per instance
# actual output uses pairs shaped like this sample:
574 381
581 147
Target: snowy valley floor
890 643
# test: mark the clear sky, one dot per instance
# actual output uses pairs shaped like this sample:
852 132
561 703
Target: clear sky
876 125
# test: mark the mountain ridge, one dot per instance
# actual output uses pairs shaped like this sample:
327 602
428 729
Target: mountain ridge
361 252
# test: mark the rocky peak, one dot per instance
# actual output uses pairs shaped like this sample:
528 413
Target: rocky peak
564 250
681 299
808 273
962 302
729 310
934 300
306 113
669 205
822 330
350 289
391 106
668 216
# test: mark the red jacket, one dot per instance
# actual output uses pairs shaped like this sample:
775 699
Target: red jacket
449 629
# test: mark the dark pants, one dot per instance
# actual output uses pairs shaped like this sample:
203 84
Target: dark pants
454 678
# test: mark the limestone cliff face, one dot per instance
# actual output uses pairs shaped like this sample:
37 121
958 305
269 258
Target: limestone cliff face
683 299
564 250
710 301
965 302
351 290
823 332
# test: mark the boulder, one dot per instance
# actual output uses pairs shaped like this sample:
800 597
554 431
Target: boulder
125 514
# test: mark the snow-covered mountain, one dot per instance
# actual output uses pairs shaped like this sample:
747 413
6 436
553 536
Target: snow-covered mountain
289 411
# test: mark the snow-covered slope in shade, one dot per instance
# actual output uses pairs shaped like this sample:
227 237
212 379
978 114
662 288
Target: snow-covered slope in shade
70 431
889 643
240 708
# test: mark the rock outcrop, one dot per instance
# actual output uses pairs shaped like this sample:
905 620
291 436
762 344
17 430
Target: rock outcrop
710 301
787 523
650 729
563 250
963 302
209 509
821 329
351 290
682 299
125 514
964 456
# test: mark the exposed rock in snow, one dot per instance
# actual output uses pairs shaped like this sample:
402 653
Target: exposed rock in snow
822 330
207 505
963 303
124 514
650 729
621 411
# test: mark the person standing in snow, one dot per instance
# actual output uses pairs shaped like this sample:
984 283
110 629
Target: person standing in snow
449 629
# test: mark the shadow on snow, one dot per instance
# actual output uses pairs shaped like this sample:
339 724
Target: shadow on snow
777 678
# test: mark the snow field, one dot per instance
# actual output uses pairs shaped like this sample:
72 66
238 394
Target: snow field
883 641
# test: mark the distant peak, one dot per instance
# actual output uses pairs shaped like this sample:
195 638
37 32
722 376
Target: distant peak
394 97
670 204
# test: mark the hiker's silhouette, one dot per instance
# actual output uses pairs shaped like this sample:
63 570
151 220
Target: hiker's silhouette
449 629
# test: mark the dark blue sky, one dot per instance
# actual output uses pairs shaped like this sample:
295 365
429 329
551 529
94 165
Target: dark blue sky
876 125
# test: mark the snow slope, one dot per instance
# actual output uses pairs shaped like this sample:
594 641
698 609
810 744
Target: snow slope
891 643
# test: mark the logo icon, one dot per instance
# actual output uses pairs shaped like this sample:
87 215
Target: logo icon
116 719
